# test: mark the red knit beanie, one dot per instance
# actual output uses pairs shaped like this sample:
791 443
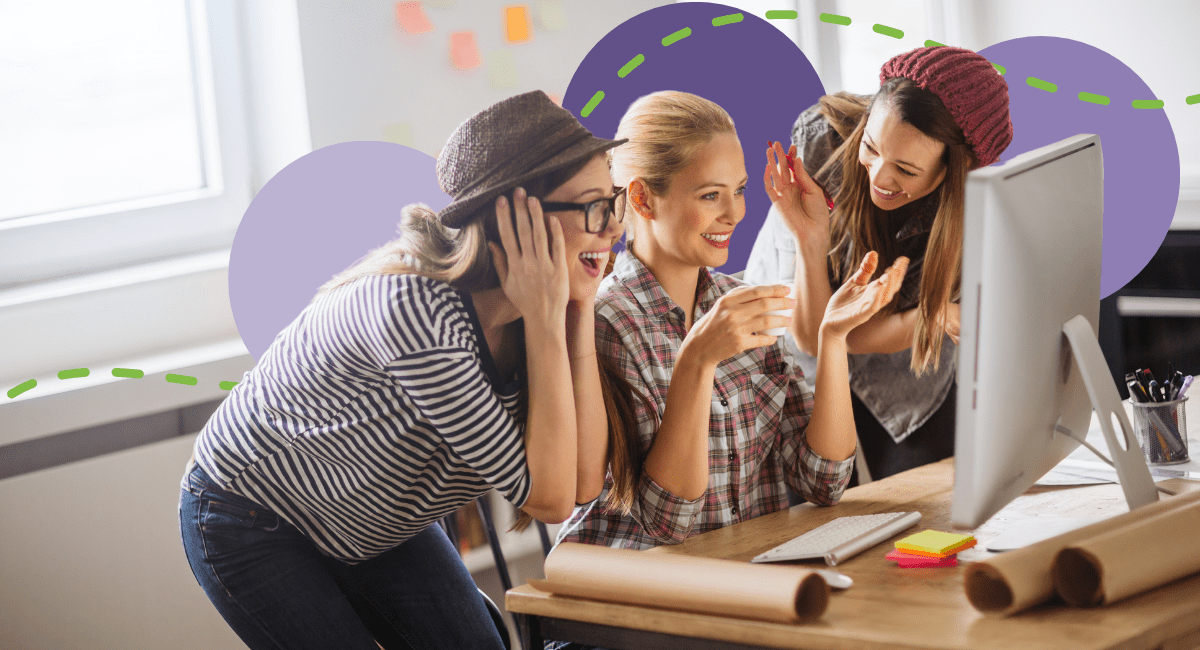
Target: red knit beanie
973 91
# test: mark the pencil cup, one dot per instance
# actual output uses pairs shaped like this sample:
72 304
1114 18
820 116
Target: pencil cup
1161 430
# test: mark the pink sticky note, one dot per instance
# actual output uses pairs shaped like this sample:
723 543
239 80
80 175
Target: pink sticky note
464 54
410 16
910 561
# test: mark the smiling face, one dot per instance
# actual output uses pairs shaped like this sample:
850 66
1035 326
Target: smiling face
587 253
903 164
692 223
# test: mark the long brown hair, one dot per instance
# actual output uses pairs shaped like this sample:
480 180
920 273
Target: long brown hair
858 225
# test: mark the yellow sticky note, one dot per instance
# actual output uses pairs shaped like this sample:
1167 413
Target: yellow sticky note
464 53
399 133
502 69
551 15
933 543
516 23
410 16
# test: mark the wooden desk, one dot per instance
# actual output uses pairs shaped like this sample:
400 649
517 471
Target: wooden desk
887 607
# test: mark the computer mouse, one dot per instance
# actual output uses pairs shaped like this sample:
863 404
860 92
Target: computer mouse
834 579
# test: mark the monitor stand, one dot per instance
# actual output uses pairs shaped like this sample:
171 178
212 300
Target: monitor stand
1132 471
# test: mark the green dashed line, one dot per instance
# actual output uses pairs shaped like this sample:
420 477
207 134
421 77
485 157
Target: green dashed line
21 388
181 379
1041 84
128 373
888 31
73 373
677 36
836 19
1194 99
629 67
592 103
228 385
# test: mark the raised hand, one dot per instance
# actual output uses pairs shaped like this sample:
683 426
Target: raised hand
732 326
532 265
798 198
859 298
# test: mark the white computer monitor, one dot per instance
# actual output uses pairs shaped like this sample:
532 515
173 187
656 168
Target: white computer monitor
1030 371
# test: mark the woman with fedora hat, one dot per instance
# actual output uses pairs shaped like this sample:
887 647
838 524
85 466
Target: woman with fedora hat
887 172
456 359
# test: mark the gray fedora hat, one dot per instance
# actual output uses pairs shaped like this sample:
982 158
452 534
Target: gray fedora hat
507 144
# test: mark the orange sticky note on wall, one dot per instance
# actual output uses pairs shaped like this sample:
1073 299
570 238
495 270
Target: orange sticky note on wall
464 53
516 19
410 16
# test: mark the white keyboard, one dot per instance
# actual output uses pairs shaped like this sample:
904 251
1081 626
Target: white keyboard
842 538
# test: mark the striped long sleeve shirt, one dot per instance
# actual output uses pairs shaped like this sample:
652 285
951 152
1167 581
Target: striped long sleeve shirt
376 412
760 407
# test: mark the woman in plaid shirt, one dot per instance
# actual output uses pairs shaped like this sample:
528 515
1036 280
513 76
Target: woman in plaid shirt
720 422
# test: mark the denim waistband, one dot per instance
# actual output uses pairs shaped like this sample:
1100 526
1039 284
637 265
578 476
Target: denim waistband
197 480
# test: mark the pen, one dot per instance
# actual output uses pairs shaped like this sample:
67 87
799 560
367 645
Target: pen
1154 394
1187 382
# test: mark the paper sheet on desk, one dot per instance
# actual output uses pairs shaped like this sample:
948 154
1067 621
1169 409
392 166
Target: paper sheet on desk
1082 467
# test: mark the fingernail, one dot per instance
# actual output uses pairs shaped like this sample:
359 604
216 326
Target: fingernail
520 192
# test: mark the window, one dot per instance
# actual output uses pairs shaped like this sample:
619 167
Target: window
123 134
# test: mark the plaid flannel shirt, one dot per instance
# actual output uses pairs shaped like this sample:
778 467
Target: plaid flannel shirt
759 412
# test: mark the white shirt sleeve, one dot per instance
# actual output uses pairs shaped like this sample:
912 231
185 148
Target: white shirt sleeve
773 257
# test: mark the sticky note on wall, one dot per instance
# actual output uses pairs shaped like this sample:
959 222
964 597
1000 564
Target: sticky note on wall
502 69
551 15
464 53
516 23
410 17
399 133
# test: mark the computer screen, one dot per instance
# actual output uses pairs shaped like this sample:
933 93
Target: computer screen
1032 236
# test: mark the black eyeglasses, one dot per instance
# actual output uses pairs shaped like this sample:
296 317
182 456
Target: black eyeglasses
596 213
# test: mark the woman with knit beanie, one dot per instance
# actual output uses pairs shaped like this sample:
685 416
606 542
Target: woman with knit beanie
887 172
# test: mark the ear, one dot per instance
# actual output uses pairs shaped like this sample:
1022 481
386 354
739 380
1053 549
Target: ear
639 198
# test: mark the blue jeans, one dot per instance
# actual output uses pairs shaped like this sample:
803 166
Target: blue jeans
277 591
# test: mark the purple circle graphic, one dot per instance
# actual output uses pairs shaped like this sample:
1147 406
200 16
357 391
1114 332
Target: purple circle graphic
1141 156
314 219
749 68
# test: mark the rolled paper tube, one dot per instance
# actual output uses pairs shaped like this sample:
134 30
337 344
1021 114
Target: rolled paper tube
779 594
1125 562
1017 580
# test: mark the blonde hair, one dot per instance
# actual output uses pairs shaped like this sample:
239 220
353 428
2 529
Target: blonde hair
664 130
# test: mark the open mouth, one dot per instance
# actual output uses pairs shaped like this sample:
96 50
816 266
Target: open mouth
886 196
594 261
717 240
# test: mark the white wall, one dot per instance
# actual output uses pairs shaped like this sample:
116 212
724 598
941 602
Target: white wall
1155 38
362 73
